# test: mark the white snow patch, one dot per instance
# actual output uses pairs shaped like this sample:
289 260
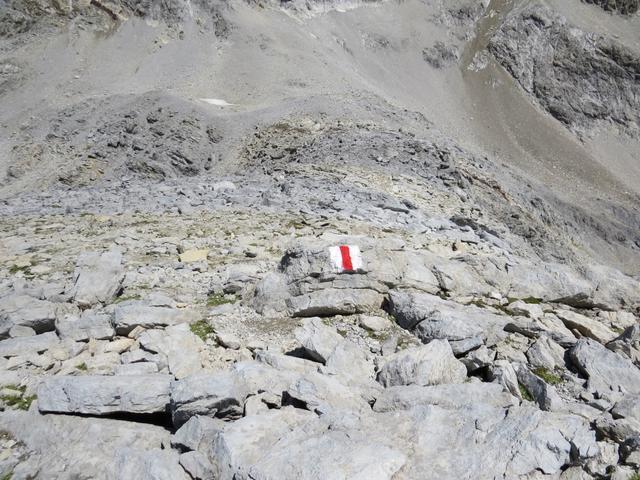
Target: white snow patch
217 101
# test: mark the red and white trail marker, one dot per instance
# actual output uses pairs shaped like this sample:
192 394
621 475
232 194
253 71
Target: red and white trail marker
346 258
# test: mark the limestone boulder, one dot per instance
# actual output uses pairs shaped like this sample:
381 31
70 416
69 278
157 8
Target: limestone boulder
430 364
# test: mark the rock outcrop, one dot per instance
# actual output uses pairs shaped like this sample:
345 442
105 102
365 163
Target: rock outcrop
580 78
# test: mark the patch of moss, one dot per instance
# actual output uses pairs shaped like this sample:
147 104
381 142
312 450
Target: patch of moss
216 299
478 303
342 333
202 329
503 309
18 388
529 300
443 294
525 393
17 400
83 367
327 321
549 377
635 476
125 298
26 269
379 336
404 343
7 476
532 300
295 225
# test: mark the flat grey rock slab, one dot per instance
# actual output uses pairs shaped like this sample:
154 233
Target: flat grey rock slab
89 325
68 446
103 395
131 315
155 464
334 301
18 346
453 396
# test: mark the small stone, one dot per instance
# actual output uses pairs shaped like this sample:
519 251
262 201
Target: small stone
374 324
196 432
190 256
389 346
21 331
502 372
121 345
254 405
546 353
479 358
227 340
135 333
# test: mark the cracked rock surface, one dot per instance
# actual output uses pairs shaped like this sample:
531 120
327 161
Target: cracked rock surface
260 240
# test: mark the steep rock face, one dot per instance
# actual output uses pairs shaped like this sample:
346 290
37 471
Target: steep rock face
19 16
622 6
580 78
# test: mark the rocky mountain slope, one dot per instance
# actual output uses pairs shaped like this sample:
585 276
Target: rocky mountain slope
319 240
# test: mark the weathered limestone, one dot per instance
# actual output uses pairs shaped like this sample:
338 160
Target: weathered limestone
334 301
26 311
465 327
453 396
606 371
97 278
14 347
180 347
102 395
130 315
89 325
431 364
586 326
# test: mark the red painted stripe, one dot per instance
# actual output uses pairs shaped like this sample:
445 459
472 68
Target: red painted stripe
346 258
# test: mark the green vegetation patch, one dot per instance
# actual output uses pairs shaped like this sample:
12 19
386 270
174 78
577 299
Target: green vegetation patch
549 377
202 329
26 269
83 367
216 299
17 399
478 303
529 300
525 393
125 298
532 300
